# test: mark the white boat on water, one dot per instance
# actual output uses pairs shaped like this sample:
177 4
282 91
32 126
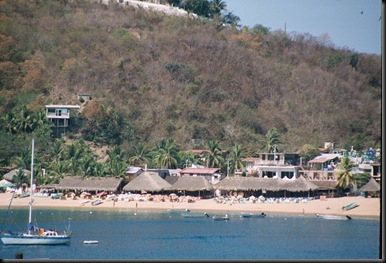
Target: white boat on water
91 242
34 234
195 215
178 211
250 215
333 217
221 218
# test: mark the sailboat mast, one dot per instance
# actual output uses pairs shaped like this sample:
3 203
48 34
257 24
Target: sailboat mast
31 187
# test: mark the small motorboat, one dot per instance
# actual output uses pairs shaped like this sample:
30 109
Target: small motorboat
178 211
96 202
221 218
333 217
250 215
350 206
195 215
91 242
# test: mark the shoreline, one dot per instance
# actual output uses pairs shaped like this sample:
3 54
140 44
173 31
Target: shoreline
368 207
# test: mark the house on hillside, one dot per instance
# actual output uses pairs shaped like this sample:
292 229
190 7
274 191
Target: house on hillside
60 117
84 97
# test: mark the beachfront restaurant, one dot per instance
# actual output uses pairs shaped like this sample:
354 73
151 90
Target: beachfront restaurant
93 185
267 187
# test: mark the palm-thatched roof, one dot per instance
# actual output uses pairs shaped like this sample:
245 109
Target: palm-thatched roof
250 183
171 179
299 185
324 184
89 184
14 173
147 181
191 183
371 186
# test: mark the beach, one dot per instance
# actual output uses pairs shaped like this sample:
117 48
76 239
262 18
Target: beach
368 207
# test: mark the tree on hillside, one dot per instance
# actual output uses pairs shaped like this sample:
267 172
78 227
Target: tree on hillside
116 165
231 19
141 155
187 158
308 152
165 154
198 7
216 6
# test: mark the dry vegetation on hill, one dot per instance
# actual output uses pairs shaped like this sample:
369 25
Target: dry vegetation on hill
167 76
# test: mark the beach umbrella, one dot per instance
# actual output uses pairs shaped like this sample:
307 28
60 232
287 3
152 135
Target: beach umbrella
4 183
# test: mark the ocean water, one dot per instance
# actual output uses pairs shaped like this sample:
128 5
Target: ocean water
124 234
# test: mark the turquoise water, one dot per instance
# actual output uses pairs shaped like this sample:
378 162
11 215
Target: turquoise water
122 234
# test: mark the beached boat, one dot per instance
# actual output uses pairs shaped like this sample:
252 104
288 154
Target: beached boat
221 218
24 194
333 217
84 202
178 211
195 215
96 202
34 234
350 206
56 196
250 215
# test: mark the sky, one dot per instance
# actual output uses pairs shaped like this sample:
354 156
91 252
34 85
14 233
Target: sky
342 20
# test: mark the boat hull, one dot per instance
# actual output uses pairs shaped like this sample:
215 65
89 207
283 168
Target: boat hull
250 215
176 211
192 215
333 217
34 240
350 206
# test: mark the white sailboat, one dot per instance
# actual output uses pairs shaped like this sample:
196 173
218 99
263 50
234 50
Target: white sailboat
35 235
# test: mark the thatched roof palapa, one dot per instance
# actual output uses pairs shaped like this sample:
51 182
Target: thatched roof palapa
324 184
147 181
299 185
250 183
15 172
371 186
89 184
191 183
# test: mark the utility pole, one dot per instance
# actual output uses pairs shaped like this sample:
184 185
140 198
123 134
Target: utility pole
227 167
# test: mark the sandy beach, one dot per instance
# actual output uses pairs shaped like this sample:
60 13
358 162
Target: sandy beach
368 207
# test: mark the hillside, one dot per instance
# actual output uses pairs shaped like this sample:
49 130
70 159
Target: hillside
189 79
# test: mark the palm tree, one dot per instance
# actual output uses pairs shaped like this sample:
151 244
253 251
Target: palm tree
217 6
187 157
345 177
214 157
271 141
236 157
116 164
57 170
141 154
166 153
57 150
